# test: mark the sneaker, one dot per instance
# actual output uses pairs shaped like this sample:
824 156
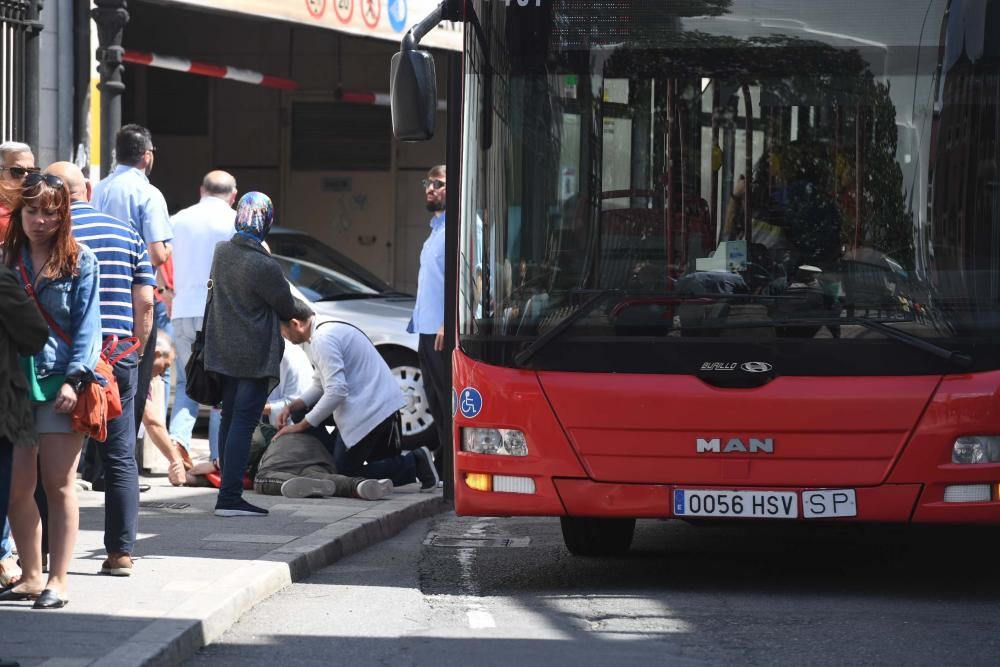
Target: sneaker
374 489
240 508
117 565
306 487
427 474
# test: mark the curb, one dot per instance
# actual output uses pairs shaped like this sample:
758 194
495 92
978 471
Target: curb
206 615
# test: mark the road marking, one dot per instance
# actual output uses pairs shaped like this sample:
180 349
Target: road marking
479 619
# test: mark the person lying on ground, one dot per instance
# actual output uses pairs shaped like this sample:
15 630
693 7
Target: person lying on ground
154 419
300 466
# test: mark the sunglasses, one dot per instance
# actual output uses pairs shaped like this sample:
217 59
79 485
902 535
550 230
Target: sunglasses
34 178
20 172
437 183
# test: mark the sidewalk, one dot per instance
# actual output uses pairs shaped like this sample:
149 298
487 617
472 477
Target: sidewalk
195 573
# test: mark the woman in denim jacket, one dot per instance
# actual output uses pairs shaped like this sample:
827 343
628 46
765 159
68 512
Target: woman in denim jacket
64 276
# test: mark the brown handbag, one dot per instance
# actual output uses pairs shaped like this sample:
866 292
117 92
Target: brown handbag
98 402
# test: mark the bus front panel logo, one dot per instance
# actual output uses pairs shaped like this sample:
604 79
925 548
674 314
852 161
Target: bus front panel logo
756 367
734 446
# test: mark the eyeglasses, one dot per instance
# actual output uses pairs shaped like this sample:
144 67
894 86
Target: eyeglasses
20 172
34 178
436 182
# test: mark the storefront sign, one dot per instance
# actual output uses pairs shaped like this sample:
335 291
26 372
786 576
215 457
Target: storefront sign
382 19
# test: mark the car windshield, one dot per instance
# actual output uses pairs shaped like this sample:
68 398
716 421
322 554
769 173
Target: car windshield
318 283
711 167
296 247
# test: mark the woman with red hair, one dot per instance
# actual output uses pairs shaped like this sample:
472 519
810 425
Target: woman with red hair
62 276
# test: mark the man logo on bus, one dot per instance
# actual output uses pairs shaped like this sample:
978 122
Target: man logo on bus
735 446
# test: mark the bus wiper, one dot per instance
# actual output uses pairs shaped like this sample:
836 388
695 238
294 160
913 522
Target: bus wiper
524 356
961 360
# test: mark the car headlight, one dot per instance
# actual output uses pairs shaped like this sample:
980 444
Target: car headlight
976 449
501 441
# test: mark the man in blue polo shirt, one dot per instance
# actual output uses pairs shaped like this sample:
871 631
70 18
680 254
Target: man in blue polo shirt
128 195
126 290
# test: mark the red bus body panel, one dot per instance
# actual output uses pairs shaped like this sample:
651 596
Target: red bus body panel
618 444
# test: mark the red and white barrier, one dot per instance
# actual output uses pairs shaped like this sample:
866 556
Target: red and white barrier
207 69
251 77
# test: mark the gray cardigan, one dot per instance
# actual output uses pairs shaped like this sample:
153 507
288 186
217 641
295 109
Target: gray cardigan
247 297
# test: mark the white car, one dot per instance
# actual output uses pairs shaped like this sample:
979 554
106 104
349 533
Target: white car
339 288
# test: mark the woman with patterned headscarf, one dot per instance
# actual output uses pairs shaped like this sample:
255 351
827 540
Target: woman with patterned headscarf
248 296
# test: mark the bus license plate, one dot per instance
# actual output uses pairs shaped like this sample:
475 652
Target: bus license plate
745 504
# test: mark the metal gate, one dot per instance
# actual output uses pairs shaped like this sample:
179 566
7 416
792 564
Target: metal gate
19 28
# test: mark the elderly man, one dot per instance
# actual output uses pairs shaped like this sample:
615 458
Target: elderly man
128 195
197 230
17 162
126 290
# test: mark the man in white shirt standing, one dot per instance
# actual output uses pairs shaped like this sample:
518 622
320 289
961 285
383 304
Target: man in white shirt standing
197 230
353 383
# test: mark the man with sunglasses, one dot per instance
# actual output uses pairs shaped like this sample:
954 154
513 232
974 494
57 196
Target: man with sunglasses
428 311
18 162
128 195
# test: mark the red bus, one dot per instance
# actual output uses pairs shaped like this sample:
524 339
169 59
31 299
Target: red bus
722 259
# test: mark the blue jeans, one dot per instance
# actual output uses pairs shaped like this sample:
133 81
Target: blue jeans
185 412
6 468
163 324
121 474
243 401
6 542
401 469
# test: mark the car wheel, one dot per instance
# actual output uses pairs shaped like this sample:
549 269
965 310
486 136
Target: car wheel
586 536
418 424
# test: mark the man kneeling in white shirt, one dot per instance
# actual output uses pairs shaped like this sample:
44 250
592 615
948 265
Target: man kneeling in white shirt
353 383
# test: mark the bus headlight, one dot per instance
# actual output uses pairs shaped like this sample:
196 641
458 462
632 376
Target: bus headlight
502 441
976 449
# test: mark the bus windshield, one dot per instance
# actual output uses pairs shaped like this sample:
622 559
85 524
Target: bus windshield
664 178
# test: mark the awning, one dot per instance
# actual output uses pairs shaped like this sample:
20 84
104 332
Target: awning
382 19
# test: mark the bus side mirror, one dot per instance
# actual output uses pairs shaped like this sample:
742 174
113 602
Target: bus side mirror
413 93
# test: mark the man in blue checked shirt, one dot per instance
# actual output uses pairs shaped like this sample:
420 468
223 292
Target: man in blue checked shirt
126 291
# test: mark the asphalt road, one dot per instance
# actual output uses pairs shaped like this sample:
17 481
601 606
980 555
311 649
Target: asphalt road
472 591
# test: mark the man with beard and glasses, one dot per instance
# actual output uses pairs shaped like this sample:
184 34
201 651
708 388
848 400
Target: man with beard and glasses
428 311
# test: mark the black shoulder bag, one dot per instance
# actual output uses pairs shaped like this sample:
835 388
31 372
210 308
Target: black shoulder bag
203 386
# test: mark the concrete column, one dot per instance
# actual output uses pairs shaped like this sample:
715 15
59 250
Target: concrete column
110 17
32 80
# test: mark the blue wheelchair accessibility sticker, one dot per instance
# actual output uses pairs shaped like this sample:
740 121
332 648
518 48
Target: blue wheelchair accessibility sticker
470 403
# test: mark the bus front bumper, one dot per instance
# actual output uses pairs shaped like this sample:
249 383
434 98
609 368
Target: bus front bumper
886 503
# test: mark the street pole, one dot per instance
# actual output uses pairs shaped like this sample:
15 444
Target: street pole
32 81
110 17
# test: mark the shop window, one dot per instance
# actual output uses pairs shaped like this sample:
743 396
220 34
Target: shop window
176 103
332 136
